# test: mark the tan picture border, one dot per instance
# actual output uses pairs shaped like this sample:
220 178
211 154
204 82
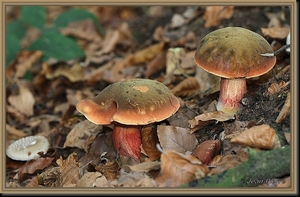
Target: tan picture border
146 191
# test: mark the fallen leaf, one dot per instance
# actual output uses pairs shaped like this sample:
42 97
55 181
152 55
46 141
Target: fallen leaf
177 169
24 101
84 29
24 61
277 87
213 15
69 170
177 20
157 64
146 54
149 141
262 137
145 166
187 87
89 180
207 150
80 132
276 32
176 138
285 110
74 72
133 179
208 82
214 115
32 166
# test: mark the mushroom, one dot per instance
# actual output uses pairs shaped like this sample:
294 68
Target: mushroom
234 54
129 105
27 148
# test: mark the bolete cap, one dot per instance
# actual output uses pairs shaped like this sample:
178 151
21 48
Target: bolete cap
234 52
27 148
131 102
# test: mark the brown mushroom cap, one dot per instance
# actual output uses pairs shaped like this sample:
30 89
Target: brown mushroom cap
233 52
131 102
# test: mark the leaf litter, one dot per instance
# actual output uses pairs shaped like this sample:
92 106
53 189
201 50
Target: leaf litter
194 143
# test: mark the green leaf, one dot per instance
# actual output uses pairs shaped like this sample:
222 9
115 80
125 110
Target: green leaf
16 28
57 46
12 47
34 15
77 14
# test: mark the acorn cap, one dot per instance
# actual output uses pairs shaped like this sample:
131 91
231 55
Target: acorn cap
27 148
234 52
130 102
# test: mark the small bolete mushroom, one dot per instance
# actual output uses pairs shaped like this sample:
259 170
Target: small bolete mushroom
234 54
27 148
129 105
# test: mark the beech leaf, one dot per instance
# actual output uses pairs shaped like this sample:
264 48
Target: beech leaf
177 168
262 137
187 87
176 138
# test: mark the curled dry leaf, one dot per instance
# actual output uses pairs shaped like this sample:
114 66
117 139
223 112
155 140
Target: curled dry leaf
74 73
187 87
286 109
80 132
69 170
89 179
276 32
32 166
157 64
207 150
85 29
145 166
146 54
262 137
176 138
149 141
24 101
174 57
215 14
23 63
177 169
276 87
215 115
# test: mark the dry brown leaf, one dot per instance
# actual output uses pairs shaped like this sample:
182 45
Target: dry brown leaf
207 150
215 14
33 183
177 169
276 87
110 169
69 170
276 32
24 101
79 134
145 166
286 109
287 137
133 179
15 132
146 54
50 177
214 115
208 82
89 179
85 29
32 166
74 73
176 138
14 113
157 64
187 87
227 162
149 141
262 137
23 63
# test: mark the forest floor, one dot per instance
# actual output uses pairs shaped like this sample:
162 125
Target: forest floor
153 42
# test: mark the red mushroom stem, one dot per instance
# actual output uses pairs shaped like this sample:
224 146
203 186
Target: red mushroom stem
231 93
127 140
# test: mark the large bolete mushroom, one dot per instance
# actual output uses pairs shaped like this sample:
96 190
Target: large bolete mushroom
129 105
234 54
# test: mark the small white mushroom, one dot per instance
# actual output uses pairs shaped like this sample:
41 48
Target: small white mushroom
27 148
